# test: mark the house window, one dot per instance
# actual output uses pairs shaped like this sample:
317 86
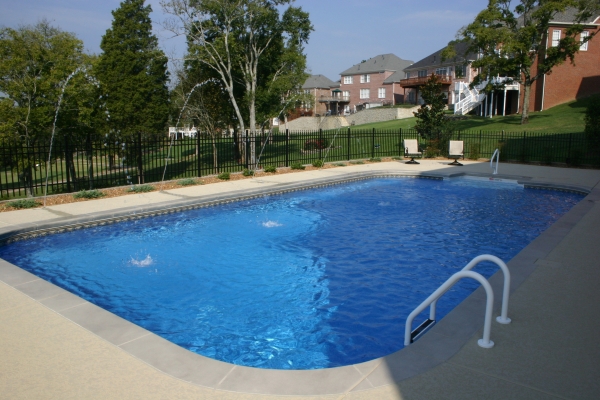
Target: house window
365 93
584 36
346 93
347 80
306 91
422 73
407 75
555 37
381 93
441 71
365 78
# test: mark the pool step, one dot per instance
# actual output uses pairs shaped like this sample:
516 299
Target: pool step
421 329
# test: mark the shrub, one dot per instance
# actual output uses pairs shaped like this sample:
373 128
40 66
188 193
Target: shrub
592 123
248 172
316 144
88 194
270 168
297 165
317 163
224 176
474 151
141 188
23 203
187 182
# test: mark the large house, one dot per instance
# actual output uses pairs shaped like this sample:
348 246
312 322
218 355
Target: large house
324 99
373 83
567 82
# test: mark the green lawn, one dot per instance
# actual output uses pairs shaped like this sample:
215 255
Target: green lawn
565 118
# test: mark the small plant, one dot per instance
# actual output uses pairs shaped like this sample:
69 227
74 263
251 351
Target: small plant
375 159
141 188
187 182
88 194
248 172
316 144
225 176
270 168
340 164
474 151
297 165
357 162
23 203
317 163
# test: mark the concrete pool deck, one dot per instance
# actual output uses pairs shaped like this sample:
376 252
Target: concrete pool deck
56 345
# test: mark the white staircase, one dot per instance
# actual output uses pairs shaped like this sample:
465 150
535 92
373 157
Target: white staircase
469 98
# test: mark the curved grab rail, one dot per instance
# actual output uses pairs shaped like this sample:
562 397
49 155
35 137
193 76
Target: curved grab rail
497 156
503 317
484 342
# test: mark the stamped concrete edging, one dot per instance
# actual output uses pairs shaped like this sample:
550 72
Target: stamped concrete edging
446 338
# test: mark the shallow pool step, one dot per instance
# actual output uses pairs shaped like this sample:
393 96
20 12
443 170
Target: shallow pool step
421 329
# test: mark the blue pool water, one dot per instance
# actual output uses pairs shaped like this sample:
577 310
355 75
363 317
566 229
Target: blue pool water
312 279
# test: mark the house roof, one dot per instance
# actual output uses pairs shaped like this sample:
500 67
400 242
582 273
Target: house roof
380 63
570 16
435 59
395 77
319 82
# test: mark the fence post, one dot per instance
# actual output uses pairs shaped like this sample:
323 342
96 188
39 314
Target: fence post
198 160
320 146
523 147
67 160
373 144
140 160
349 144
287 148
246 147
569 150
400 145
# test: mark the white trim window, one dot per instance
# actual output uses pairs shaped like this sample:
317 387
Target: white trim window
346 93
582 37
348 80
422 73
441 71
555 37
381 93
365 78
365 93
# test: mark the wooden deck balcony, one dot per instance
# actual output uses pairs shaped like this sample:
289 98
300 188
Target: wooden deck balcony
334 99
422 80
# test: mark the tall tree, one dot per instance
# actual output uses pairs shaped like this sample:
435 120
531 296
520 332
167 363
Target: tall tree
430 116
233 37
513 43
35 63
133 75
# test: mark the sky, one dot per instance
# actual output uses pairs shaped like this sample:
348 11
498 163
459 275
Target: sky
345 31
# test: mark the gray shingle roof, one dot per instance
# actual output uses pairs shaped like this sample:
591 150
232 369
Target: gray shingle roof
435 59
570 16
380 63
318 82
395 77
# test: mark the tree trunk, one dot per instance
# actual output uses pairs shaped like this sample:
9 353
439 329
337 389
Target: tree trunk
525 114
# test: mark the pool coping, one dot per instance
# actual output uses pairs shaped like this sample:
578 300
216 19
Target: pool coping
445 339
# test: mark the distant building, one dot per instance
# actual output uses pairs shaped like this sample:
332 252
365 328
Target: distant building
373 83
321 89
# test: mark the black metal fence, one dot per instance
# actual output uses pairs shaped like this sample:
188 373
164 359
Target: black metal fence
78 165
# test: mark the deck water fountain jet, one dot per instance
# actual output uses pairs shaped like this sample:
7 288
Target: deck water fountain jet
197 85
60 97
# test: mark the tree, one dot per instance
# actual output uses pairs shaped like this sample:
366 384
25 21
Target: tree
234 37
513 44
430 116
35 62
133 75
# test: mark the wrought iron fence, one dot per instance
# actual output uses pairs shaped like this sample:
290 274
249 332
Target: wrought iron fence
85 164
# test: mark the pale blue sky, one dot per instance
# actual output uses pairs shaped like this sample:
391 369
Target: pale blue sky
346 31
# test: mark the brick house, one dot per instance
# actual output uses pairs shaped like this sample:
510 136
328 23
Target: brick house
569 82
322 90
373 83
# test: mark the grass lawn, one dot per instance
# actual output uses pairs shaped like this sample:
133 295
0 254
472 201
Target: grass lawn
564 118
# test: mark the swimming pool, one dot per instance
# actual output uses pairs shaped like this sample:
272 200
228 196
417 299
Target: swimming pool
339 269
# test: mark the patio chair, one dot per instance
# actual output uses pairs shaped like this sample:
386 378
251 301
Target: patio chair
456 151
411 149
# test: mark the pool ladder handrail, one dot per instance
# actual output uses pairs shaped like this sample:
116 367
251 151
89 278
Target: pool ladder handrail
497 156
466 272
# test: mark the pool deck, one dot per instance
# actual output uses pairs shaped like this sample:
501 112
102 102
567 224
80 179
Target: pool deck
55 345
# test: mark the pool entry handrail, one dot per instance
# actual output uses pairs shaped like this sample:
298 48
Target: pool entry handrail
484 342
496 155
503 317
